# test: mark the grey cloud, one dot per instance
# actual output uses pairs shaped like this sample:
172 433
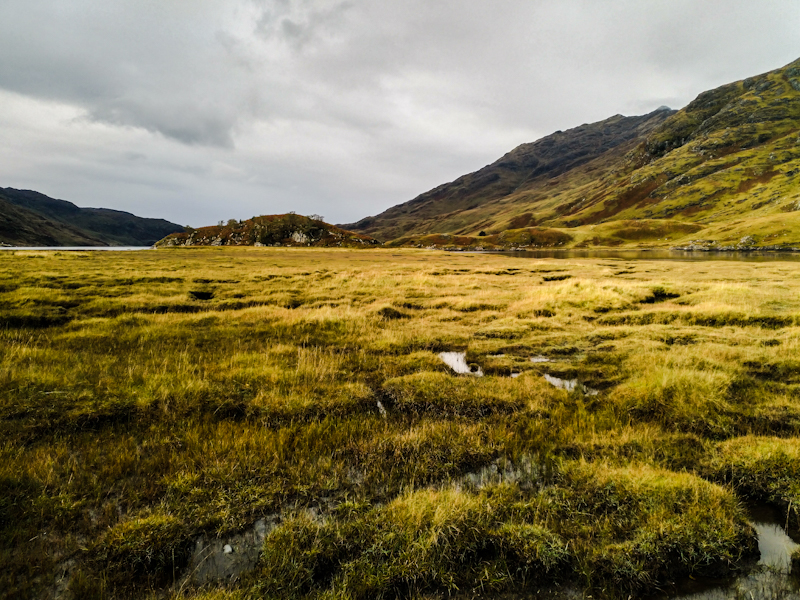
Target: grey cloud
340 107
124 67
301 22
189 124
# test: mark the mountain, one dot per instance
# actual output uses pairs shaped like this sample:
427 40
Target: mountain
28 218
270 230
720 172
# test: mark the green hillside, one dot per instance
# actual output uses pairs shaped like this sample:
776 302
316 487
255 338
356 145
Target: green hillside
22 227
720 172
28 218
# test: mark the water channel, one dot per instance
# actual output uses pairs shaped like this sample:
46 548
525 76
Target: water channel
770 579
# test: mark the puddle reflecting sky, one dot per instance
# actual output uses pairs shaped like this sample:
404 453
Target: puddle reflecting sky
569 385
458 362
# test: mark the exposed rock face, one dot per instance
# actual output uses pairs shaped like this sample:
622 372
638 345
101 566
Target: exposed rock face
270 230
300 237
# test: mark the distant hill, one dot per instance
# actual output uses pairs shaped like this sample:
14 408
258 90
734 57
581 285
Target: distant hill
270 230
723 171
28 218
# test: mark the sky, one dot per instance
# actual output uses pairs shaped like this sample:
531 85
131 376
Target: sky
198 111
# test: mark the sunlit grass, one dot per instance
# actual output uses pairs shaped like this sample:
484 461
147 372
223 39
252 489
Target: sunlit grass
137 416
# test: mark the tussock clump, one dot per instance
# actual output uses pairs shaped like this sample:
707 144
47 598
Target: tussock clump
387 312
556 277
505 329
440 394
683 399
152 549
765 469
426 453
426 541
630 529
727 319
640 526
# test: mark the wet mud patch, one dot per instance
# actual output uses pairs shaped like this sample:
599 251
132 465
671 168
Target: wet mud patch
208 281
127 281
659 294
560 351
35 320
270 277
410 305
391 314
679 339
525 472
225 558
201 294
479 306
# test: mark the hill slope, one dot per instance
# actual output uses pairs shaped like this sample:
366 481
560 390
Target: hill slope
721 171
270 230
33 219
470 201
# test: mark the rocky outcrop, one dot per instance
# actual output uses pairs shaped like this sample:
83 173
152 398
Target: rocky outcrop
270 230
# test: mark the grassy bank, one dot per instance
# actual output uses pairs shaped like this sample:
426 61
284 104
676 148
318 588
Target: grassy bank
149 400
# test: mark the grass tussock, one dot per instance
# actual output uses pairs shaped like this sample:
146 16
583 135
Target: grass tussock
304 387
628 529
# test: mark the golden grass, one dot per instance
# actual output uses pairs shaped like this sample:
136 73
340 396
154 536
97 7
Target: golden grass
136 417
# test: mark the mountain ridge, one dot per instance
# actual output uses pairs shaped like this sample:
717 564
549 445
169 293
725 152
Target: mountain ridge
718 171
30 218
547 157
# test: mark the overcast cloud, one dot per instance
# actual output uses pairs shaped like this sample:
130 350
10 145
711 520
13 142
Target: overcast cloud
201 110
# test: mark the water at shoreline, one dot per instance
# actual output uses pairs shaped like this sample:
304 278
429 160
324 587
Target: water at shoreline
76 248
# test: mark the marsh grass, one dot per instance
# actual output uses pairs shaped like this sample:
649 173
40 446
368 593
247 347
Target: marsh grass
137 415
